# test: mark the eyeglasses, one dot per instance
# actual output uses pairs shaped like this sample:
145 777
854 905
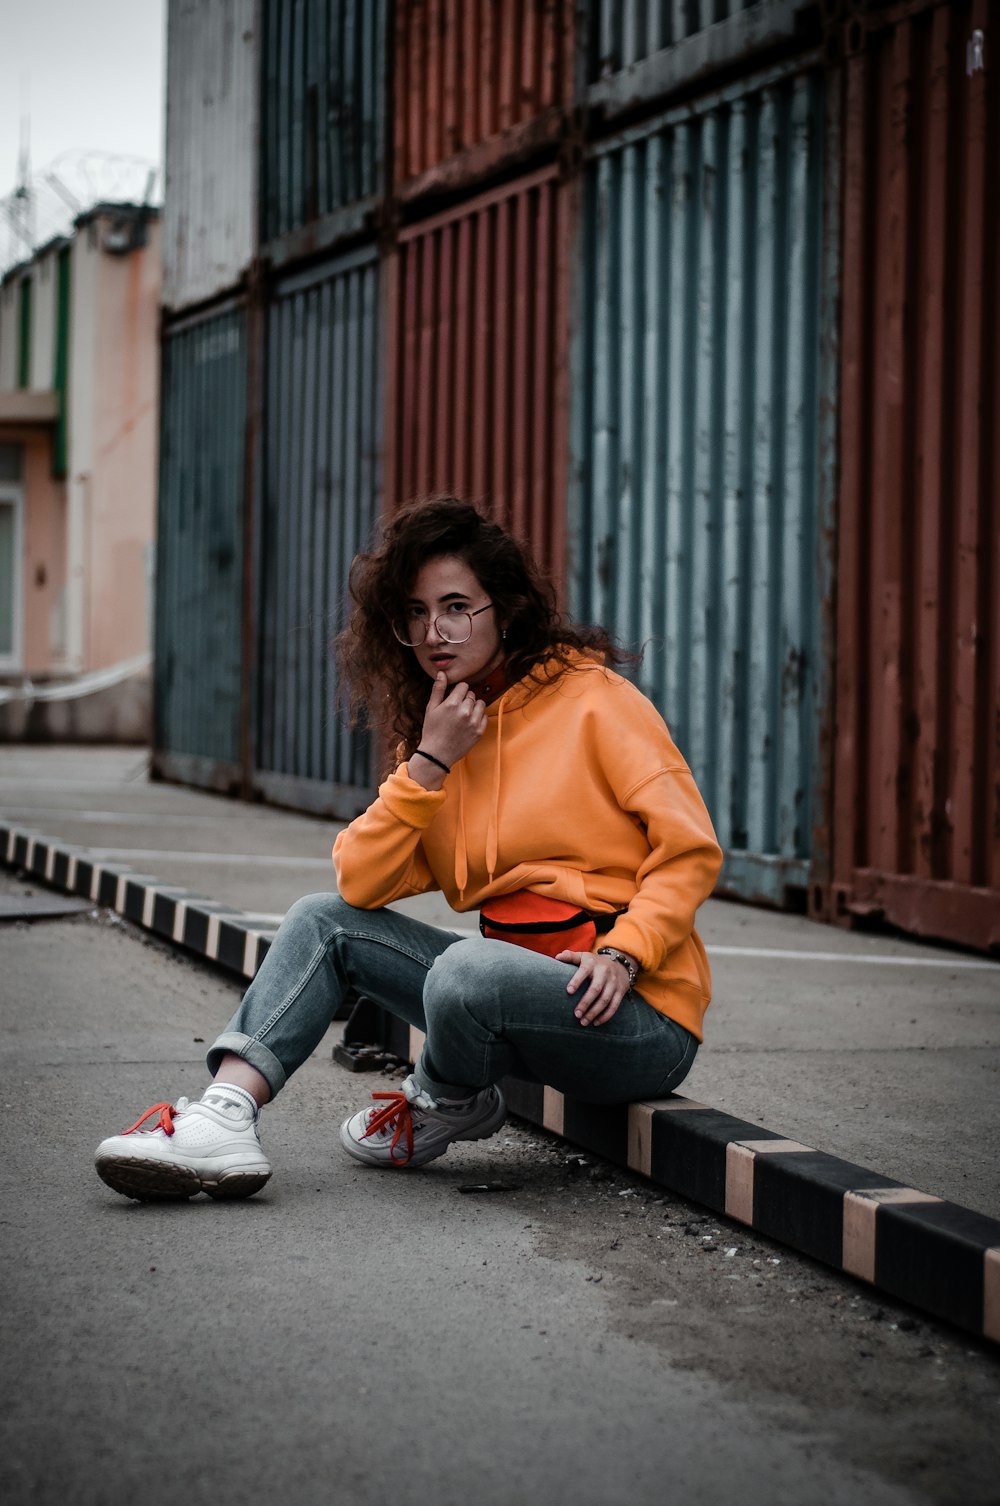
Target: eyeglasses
453 627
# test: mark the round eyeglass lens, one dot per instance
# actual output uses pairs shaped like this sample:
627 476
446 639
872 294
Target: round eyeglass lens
455 628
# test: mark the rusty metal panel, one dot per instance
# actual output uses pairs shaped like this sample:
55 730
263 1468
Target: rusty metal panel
210 201
477 341
917 794
323 114
469 71
199 556
321 496
699 488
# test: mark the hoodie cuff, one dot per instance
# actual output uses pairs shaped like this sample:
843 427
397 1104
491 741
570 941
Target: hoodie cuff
408 801
626 936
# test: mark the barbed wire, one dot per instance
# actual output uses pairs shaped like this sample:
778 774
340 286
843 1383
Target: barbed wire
47 203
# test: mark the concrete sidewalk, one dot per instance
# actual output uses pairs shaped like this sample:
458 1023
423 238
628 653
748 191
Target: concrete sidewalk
877 1050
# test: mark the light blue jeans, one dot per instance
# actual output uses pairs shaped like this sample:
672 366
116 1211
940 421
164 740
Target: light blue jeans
489 1009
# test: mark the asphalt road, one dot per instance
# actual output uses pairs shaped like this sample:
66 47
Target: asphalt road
353 1336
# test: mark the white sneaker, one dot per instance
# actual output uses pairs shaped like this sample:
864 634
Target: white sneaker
211 1146
411 1128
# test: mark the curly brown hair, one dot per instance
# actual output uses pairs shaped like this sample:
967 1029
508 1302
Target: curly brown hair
385 687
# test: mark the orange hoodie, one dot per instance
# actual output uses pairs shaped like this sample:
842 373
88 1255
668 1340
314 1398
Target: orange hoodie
575 790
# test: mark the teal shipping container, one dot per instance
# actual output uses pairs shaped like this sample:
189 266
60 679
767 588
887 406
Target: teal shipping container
199 552
321 497
323 122
637 54
702 447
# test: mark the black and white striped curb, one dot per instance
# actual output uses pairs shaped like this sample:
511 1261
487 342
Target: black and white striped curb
925 1250
229 937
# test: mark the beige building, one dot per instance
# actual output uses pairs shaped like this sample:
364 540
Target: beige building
78 444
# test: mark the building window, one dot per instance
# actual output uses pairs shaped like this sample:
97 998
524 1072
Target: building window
10 577
11 462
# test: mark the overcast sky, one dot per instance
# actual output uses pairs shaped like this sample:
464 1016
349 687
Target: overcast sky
95 77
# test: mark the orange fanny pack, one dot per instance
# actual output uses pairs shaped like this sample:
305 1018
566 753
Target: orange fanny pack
549 926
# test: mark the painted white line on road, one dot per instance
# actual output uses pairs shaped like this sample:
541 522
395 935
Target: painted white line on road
146 818
211 857
787 955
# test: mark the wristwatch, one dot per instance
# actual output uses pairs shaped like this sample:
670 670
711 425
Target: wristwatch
626 962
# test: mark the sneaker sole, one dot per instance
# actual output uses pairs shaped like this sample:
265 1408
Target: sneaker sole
159 1182
371 1158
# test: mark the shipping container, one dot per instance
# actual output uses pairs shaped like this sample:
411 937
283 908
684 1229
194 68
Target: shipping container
917 795
211 148
639 53
200 552
702 477
323 148
477 344
321 498
488 78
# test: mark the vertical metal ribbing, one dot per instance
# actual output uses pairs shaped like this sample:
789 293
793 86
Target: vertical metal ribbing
312 633
801 628
353 502
322 494
323 534
695 446
701 721
760 761
603 437
199 584
625 331
656 399
323 104
728 805
680 336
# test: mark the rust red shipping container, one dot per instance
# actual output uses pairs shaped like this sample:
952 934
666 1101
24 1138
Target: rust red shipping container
469 71
916 819
476 391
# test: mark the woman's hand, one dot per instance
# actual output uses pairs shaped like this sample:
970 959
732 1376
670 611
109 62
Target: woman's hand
607 984
454 722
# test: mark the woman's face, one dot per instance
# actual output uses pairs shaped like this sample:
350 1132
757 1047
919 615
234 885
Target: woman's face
446 587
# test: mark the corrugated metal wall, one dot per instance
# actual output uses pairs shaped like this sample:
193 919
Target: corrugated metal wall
465 72
210 203
321 496
706 436
623 32
917 810
477 342
199 587
323 115
696 520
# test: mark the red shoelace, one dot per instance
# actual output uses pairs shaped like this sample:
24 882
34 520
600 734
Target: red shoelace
166 1112
394 1114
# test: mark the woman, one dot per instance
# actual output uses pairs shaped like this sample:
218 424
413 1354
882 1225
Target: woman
533 784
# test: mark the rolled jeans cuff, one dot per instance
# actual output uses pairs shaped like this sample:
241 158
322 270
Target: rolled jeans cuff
258 1056
435 1089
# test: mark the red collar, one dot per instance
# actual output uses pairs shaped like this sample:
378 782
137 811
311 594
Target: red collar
492 685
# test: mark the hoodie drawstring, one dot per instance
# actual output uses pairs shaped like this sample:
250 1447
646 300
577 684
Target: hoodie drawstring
462 843
493 829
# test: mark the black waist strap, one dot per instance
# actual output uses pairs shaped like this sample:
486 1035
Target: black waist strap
605 923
